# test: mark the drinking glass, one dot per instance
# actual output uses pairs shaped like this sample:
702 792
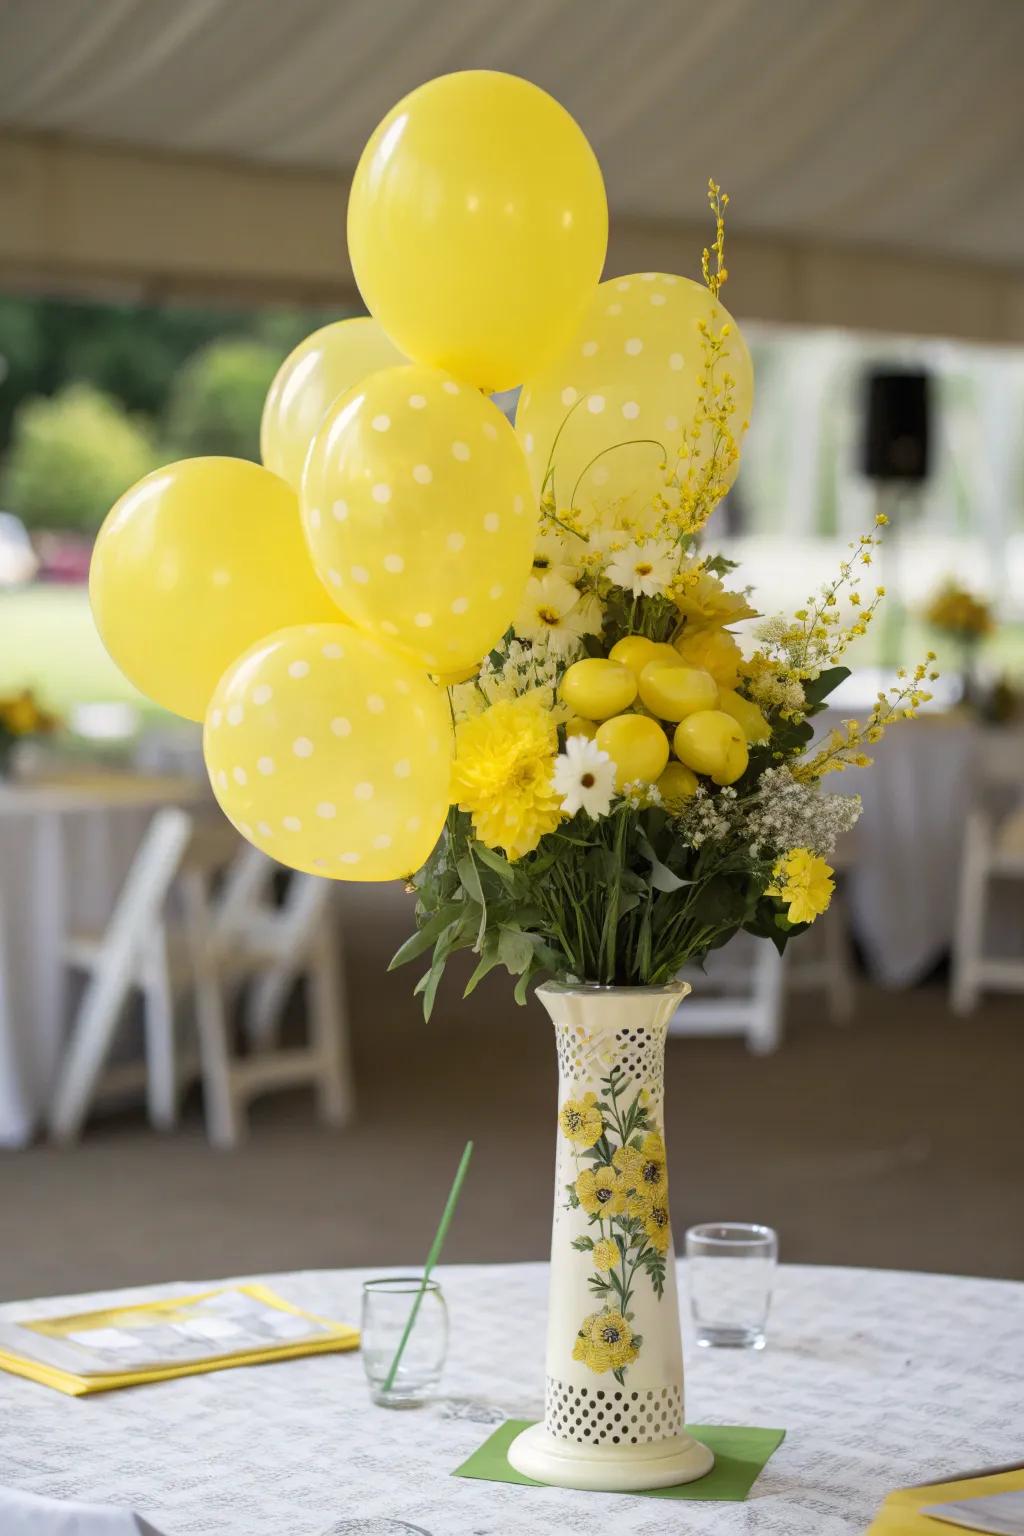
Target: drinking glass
730 1266
387 1305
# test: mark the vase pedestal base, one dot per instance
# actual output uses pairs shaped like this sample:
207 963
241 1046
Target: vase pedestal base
605 1468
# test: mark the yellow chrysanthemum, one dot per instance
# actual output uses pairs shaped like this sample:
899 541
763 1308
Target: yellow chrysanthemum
606 1254
804 882
605 1342
601 1192
643 1168
713 650
656 1225
504 759
580 1120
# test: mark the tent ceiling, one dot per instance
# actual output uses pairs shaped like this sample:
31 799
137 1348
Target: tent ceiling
896 123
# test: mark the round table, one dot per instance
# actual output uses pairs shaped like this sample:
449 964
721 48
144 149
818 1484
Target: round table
66 845
881 1380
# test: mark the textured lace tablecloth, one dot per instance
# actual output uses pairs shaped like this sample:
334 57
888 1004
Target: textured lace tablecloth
881 1379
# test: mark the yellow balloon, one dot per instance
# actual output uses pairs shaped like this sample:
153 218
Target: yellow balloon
324 366
331 753
419 514
477 226
636 745
623 391
193 564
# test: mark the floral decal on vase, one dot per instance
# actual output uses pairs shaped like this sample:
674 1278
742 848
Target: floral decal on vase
624 1193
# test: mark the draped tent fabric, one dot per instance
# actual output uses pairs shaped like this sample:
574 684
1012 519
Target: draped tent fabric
867 124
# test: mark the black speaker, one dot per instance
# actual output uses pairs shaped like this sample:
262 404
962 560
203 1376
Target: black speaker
897 425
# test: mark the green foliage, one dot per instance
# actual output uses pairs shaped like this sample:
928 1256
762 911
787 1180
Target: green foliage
71 457
217 399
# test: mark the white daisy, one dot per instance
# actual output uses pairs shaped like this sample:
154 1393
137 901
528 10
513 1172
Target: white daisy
550 614
584 776
555 555
643 569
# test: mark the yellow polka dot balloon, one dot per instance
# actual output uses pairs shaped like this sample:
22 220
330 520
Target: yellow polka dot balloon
331 753
625 390
418 510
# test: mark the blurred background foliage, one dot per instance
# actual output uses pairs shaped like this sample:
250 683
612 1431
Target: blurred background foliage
94 395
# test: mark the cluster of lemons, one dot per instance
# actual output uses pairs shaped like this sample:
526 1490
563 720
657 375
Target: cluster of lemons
629 702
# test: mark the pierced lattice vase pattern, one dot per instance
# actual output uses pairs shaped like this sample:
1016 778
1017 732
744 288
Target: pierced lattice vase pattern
614 1404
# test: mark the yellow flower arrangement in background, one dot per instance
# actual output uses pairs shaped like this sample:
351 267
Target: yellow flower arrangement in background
957 612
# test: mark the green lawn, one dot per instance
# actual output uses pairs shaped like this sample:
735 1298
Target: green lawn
48 642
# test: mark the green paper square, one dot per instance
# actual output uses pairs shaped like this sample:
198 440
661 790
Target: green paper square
740 1453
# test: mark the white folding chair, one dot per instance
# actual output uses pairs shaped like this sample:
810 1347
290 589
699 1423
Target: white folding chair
993 850
740 993
131 953
244 937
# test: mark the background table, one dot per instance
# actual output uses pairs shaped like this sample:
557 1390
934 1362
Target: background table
65 848
881 1380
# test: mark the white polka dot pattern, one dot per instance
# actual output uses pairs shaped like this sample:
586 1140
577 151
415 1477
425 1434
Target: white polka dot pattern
342 765
636 362
436 511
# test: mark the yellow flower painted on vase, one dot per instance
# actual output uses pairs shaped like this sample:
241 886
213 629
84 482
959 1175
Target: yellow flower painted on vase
504 760
605 1254
601 1192
605 1342
656 1225
643 1168
803 881
580 1121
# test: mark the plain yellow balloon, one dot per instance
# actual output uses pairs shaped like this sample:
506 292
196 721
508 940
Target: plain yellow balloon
193 564
331 753
477 226
321 368
418 510
620 395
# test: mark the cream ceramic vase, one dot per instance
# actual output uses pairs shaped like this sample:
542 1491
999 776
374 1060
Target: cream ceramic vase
613 1415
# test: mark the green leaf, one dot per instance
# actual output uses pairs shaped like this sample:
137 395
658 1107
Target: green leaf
584 1244
817 689
495 861
661 876
419 942
515 950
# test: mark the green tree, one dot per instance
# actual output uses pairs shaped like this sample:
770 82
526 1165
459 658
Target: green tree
71 456
216 400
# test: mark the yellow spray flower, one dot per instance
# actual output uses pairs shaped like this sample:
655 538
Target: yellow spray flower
504 759
601 1192
606 1254
605 1342
804 882
702 600
643 1168
580 1120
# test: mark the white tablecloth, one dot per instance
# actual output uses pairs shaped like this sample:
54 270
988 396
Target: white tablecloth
65 848
881 1380
906 849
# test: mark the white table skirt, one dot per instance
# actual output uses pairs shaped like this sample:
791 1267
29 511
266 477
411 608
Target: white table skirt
65 849
881 1380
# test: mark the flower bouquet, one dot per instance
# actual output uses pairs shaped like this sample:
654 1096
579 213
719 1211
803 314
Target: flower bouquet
966 620
499 663
22 718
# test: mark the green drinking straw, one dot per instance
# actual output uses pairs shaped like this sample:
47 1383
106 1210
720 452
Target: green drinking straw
432 1258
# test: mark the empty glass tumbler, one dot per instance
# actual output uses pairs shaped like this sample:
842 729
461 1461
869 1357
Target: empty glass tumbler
730 1269
387 1306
